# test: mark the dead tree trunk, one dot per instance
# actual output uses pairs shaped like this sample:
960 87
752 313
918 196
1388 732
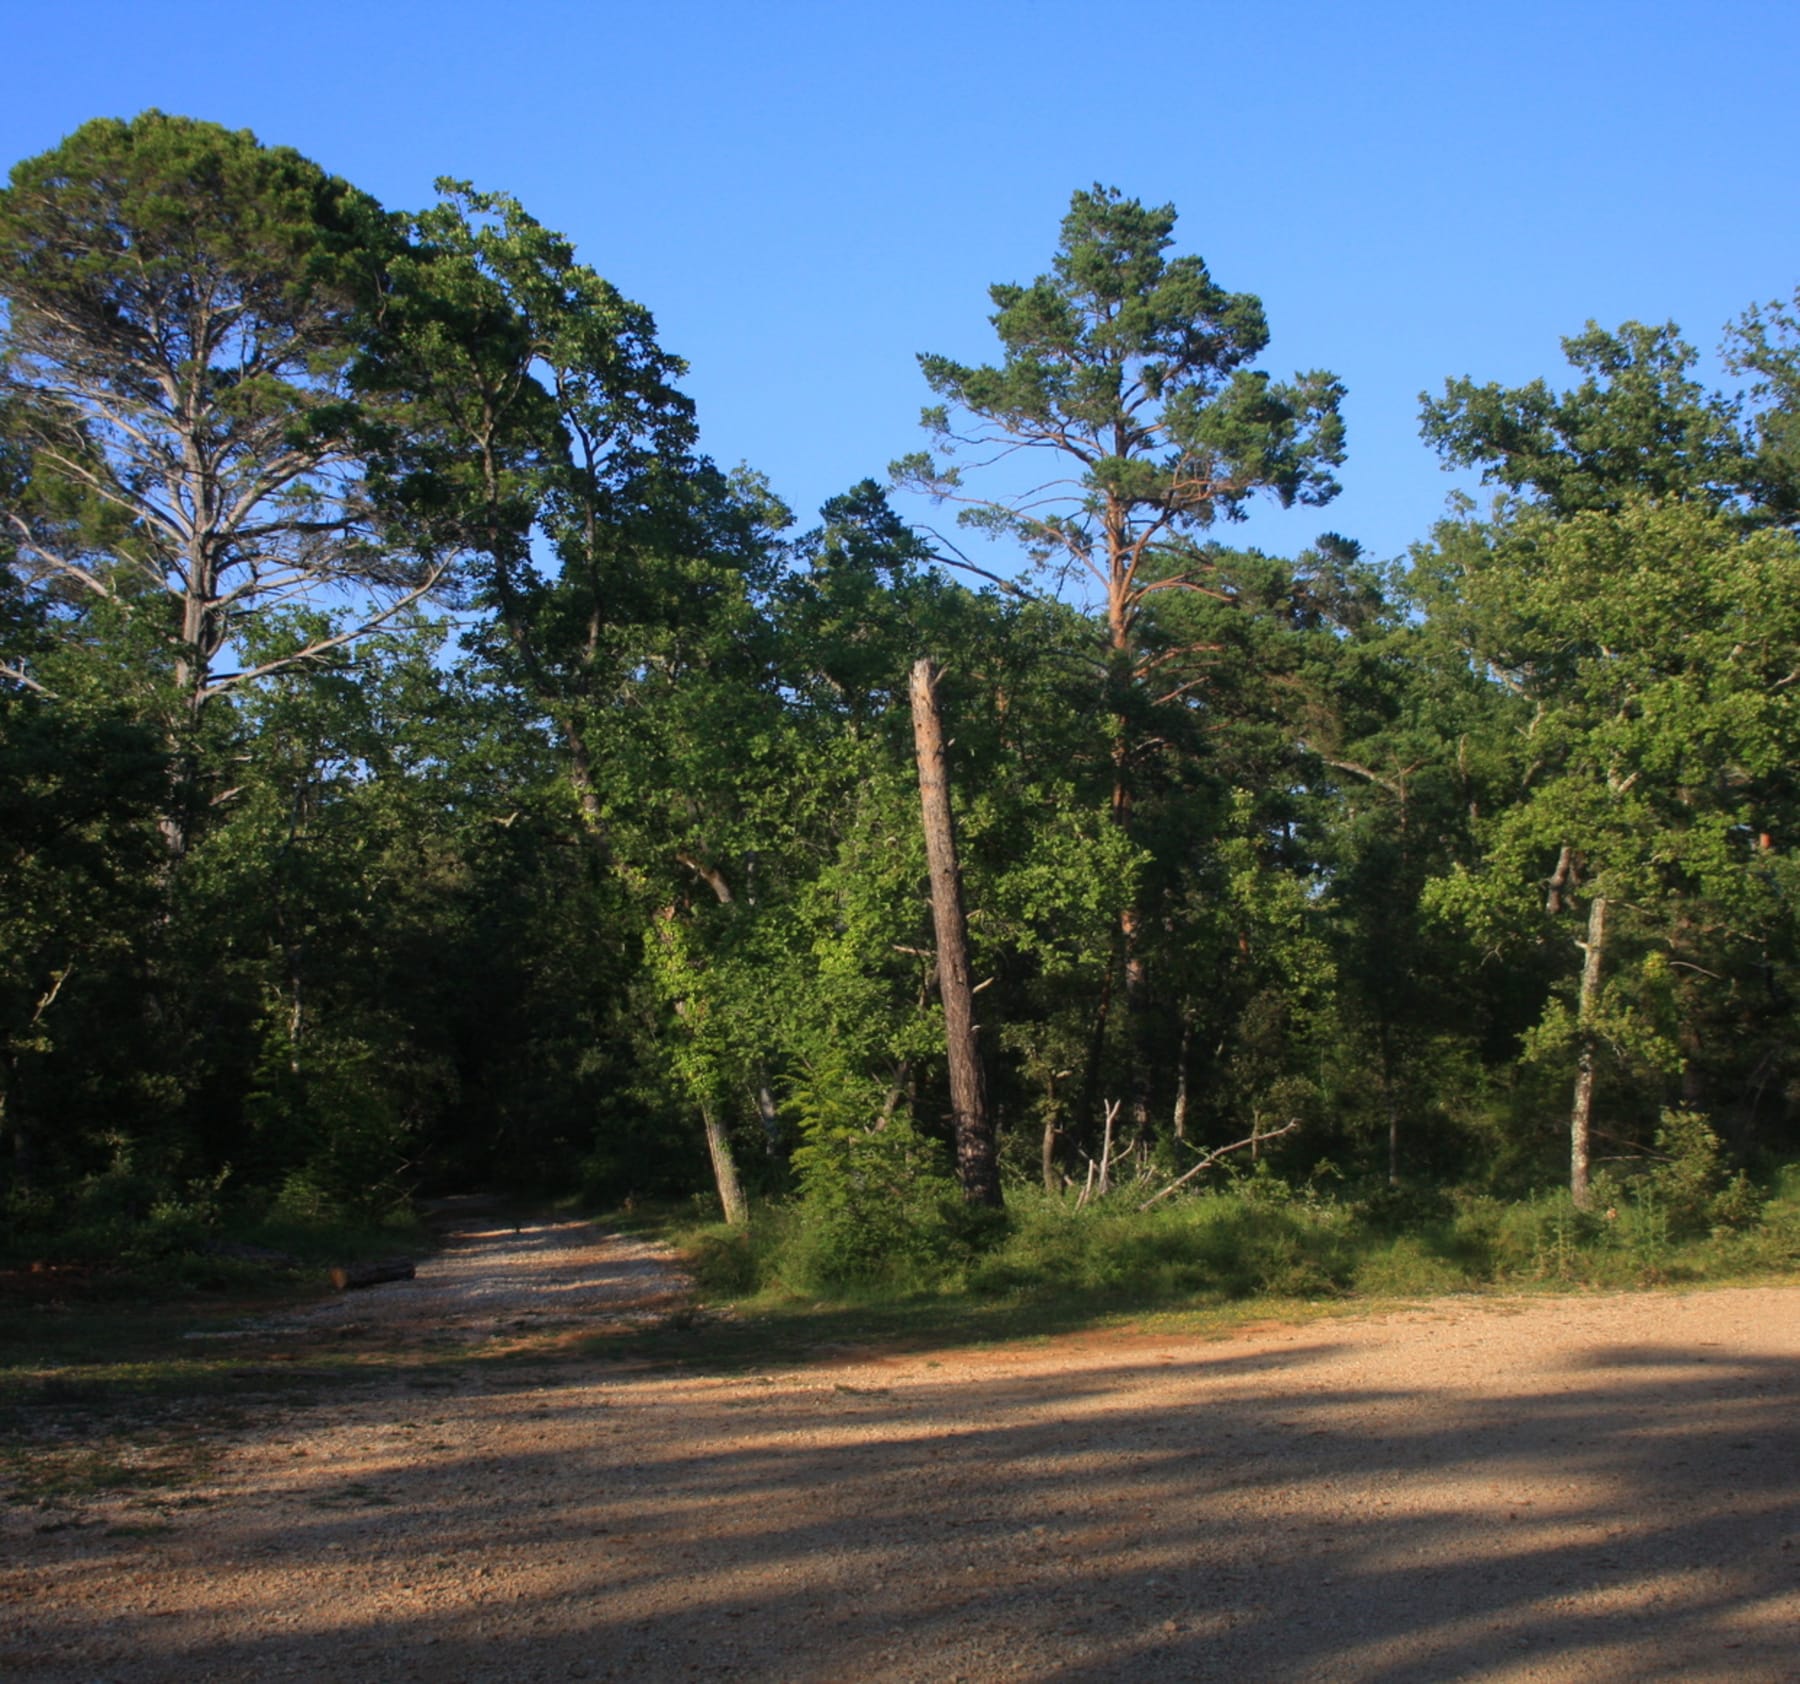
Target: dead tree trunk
1582 1111
977 1165
1181 1077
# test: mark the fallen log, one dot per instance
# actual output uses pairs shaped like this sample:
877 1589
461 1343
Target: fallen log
348 1276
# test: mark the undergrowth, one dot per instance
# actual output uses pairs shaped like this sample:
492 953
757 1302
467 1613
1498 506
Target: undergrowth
115 1238
1262 1237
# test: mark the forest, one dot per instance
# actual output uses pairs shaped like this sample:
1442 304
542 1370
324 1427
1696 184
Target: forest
423 769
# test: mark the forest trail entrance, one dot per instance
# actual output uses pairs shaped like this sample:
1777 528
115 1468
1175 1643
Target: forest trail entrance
501 1273
1549 1489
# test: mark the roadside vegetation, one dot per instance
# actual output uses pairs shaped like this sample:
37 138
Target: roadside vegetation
1677 1220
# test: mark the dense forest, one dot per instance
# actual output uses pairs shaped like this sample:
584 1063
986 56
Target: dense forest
422 768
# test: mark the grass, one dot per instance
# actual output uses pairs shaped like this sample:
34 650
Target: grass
1205 1264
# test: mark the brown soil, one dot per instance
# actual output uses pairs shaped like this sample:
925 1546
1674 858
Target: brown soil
1594 1488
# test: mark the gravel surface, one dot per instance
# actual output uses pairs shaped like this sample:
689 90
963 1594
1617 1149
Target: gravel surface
1557 1489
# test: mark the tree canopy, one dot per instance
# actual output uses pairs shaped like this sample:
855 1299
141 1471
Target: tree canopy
421 764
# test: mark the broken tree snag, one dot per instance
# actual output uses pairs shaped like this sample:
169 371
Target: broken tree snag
1581 1111
348 1276
977 1164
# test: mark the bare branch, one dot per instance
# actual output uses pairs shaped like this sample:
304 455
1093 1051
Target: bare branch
222 682
20 676
1255 1138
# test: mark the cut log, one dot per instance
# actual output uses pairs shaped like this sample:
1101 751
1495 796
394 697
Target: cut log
348 1276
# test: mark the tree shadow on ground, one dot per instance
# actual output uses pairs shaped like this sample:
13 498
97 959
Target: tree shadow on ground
1184 1511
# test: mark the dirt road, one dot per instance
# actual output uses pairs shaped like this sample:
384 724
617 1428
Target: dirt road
1599 1488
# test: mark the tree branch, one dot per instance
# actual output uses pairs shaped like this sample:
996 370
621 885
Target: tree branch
1254 1138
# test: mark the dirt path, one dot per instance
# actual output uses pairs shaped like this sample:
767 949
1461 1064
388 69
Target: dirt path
1550 1489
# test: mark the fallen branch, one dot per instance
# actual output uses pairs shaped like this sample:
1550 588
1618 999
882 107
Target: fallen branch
1254 1138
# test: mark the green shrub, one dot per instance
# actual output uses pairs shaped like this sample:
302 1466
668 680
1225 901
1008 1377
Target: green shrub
876 1207
738 1262
879 1217
1257 1237
1689 1177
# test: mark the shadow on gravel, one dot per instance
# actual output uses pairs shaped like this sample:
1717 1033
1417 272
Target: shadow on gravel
1632 1519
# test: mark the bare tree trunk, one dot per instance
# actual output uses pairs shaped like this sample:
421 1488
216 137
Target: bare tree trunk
1393 1106
1106 1145
768 1111
977 1165
1181 1077
1581 1113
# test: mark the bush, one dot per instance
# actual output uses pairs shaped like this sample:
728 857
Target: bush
876 1206
738 1262
872 1221
1684 1184
1409 1266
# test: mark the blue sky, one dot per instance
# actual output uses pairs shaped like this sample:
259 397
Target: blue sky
807 194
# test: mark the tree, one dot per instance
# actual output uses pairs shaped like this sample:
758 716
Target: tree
976 1164
545 418
1129 372
184 309
1652 650
1764 344
1638 425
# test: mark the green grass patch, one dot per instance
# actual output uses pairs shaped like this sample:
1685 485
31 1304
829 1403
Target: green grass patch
1256 1248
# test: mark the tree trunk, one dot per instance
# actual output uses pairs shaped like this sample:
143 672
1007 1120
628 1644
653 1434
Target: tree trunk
1181 1078
768 1112
1581 1113
977 1165
718 1144
1391 1100
725 1175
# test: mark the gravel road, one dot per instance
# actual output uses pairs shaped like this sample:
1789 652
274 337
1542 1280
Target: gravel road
1558 1489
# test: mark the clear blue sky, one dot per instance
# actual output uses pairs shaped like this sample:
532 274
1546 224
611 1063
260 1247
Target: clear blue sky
807 194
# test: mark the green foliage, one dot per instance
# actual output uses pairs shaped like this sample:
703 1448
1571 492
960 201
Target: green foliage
337 1113
1120 341
877 1206
1690 1183
1653 762
1764 344
1262 1236
183 307
1638 425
